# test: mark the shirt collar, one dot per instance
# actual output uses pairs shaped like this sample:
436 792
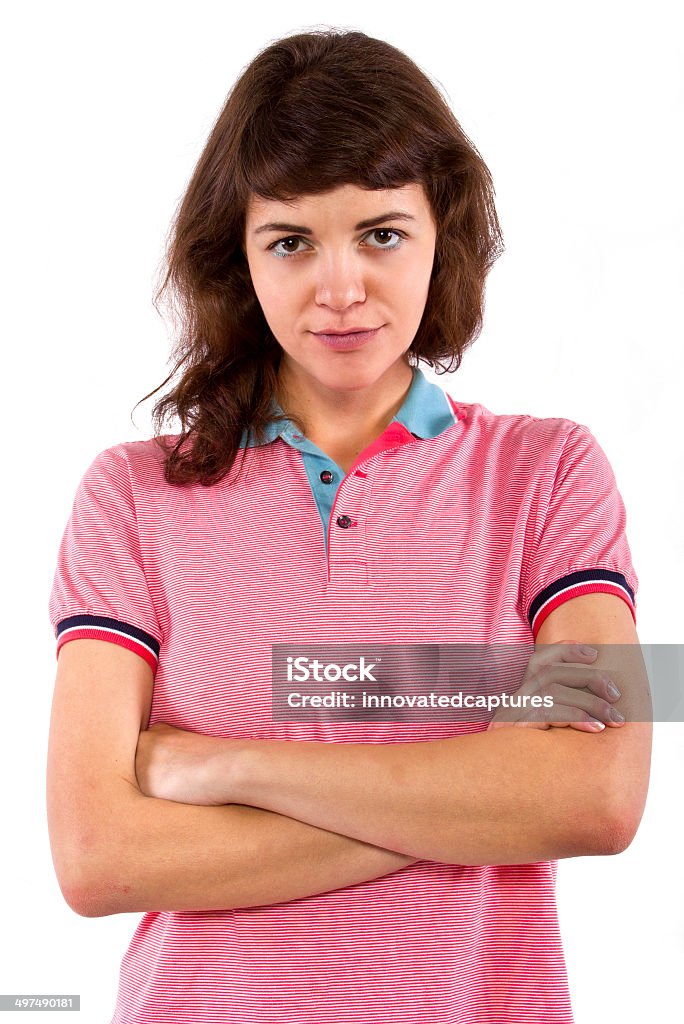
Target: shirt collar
426 412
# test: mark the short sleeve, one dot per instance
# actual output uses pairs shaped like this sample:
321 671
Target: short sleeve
580 546
99 589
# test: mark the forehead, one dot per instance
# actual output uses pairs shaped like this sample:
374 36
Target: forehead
347 200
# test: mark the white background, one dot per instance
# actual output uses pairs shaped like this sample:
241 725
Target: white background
577 110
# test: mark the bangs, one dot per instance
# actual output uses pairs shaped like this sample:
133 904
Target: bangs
308 142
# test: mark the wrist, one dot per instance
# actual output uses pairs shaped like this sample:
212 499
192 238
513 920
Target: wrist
225 772
241 763
256 768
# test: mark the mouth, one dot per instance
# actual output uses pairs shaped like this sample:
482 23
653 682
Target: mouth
355 339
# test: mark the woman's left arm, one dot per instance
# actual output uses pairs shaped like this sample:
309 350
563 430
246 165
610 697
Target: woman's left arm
509 796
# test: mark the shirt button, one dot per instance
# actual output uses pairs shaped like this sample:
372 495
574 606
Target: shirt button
326 476
343 521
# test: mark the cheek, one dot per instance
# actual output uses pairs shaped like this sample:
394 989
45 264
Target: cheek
412 274
270 293
410 287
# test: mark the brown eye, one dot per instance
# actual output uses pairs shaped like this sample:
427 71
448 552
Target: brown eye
286 241
386 232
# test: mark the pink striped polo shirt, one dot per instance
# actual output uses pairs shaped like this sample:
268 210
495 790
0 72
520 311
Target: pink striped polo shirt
457 525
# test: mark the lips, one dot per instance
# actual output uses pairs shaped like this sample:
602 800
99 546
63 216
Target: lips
347 330
353 339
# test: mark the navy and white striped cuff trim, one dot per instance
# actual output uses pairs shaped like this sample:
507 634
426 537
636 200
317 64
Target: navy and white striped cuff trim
585 581
114 630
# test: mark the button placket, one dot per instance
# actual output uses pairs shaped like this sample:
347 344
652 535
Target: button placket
313 458
347 550
346 540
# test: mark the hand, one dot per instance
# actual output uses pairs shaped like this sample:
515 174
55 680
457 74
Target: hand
549 674
188 767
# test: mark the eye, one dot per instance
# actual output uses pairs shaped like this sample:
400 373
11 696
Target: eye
387 231
298 238
282 241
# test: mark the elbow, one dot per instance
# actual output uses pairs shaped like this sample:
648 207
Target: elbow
90 861
95 899
89 892
74 878
84 897
91 869
614 832
618 807
83 902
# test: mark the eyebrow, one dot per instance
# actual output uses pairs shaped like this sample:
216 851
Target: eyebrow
370 223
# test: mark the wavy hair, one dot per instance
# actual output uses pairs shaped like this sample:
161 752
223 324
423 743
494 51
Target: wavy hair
311 112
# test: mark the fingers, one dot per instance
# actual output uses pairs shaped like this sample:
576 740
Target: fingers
594 706
565 650
581 697
586 724
589 716
548 678
557 663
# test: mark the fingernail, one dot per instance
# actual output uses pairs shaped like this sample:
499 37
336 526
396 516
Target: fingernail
613 690
591 652
615 715
597 725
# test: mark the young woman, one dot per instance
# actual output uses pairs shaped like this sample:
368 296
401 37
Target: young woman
336 233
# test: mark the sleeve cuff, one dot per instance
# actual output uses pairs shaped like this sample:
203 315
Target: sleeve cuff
99 627
586 581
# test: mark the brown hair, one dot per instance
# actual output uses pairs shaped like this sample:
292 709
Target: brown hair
311 112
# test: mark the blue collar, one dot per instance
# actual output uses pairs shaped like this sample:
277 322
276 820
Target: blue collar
425 412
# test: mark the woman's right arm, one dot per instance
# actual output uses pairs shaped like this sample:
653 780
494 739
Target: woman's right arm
118 851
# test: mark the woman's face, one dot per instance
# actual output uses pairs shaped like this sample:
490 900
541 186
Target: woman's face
343 260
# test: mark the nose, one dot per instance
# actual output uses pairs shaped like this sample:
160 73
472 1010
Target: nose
339 280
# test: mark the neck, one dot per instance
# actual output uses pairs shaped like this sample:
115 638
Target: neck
344 419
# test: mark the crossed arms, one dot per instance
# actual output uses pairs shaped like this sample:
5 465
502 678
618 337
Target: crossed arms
309 818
